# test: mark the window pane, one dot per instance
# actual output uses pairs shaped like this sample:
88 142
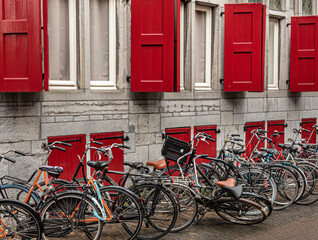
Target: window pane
307 7
58 31
273 53
99 40
200 46
275 4
254 1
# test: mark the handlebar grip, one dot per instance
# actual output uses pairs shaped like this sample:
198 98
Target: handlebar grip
210 139
235 135
9 159
60 148
99 143
19 152
238 139
263 131
240 144
66 144
207 135
203 155
306 130
268 139
127 147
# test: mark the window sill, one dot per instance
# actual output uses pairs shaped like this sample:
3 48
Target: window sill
277 14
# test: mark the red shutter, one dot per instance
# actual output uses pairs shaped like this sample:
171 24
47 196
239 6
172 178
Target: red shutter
152 45
278 125
244 47
308 123
68 159
204 148
304 54
20 46
108 139
183 133
45 46
248 128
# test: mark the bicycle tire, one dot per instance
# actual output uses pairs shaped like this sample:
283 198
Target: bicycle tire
55 215
19 192
22 218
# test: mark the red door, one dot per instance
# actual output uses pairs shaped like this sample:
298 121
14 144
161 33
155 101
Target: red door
20 46
108 139
153 45
182 133
308 123
277 125
304 54
244 39
204 148
250 142
69 159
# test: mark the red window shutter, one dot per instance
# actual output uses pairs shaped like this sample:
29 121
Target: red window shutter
204 148
244 40
183 133
20 46
251 145
108 139
304 54
152 45
45 46
68 159
308 123
278 125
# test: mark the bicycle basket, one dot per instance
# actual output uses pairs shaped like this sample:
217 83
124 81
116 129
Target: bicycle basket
174 148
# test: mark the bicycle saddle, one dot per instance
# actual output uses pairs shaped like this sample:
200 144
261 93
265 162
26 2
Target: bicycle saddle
98 165
229 187
260 154
287 146
160 164
304 145
52 171
135 165
269 150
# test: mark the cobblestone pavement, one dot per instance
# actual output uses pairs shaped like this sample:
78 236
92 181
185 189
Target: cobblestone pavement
294 223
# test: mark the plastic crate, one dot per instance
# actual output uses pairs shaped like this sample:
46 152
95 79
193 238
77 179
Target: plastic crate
174 148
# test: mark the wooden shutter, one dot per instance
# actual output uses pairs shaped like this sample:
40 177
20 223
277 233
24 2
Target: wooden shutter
244 39
308 123
153 45
248 128
204 148
108 139
278 125
20 46
182 133
68 159
304 54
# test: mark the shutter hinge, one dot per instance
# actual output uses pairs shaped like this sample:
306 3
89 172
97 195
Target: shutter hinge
287 82
288 24
222 13
128 78
222 80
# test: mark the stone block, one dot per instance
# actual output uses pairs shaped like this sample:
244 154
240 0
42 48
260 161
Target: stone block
22 146
226 104
254 117
271 105
143 123
19 129
47 119
238 118
283 104
81 118
144 106
64 119
20 109
189 121
255 105
141 154
131 142
96 117
155 152
276 116
145 139
227 118
293 115
154 123
240 105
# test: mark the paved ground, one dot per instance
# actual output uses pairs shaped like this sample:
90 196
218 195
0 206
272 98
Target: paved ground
296 222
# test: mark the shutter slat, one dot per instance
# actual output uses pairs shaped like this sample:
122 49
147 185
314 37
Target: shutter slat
204 148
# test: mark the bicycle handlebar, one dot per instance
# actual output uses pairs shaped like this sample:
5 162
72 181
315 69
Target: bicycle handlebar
58 148
19 152
9 159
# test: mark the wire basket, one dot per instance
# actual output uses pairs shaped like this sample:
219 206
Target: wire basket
174 148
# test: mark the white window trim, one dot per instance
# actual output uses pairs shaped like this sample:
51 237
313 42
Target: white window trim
111 84
207 84
71 83
182 46
274 86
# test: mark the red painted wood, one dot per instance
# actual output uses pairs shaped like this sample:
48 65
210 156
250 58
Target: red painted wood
204 148
68 159
243 47
182 133
304 54
20 46
263 48
248 136
117 162
177 46
46 46
152 46
308 123
271 127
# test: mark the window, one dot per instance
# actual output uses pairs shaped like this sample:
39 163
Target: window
307 6
182 19
102 34
62 44
273 55
275 5
255 1
203 32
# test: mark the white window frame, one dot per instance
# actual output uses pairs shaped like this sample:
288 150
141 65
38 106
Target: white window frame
111 83
182 46
69 84
274 86
208 61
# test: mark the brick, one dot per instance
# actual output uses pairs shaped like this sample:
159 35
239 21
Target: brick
64 119
47 119
96 117
81 118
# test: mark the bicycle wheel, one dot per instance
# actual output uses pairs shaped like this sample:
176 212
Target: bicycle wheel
19 221
70 212
258 181
159 210
287 186
19 192
240 211
188 206
261 200
126 212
